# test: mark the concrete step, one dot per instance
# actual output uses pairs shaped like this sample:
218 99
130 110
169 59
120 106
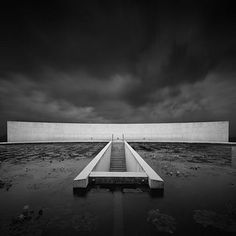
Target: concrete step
117 167
118 160
117 163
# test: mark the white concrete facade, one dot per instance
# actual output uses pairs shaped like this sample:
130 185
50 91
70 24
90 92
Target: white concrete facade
149 132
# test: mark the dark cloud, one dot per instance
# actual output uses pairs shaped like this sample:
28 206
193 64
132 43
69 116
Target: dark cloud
118 61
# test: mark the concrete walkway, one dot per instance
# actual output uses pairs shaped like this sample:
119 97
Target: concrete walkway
117 163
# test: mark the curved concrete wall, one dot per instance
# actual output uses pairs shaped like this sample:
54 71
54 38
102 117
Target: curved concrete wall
154 132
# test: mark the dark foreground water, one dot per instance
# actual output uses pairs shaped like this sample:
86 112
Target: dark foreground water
37 198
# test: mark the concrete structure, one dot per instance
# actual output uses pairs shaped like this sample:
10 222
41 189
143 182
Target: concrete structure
136 163
82 132
81 181
118 160
138 171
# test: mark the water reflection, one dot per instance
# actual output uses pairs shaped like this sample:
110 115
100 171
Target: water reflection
124 189
200 183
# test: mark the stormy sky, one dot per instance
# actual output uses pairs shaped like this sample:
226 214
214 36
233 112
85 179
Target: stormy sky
118 61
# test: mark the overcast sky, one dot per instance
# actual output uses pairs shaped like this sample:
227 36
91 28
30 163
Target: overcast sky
118 61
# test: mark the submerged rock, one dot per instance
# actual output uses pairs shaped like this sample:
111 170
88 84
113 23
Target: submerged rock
223 222
26 212
5 184
194 167
132 190
40 212
84 222
2 183
99 190
26 208
162 222
21 217
25 223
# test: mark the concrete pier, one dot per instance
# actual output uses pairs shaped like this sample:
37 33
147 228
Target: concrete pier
118 163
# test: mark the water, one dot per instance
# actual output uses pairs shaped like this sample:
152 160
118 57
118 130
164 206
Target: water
199 194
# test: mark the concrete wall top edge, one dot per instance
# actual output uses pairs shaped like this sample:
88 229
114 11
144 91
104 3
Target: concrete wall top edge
76 123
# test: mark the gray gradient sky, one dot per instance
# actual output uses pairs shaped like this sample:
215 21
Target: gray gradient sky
118 61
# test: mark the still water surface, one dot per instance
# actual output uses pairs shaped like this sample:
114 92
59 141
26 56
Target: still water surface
37 198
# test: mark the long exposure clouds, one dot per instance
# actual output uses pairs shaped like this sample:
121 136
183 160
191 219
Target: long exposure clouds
118 61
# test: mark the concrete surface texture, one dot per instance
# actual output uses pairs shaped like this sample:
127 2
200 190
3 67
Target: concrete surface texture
85 132
103 163
81 180
137 171
118 157
132 164
154 180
